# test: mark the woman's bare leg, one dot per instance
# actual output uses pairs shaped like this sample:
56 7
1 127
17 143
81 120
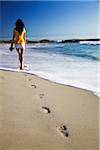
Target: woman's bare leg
21 57
18 51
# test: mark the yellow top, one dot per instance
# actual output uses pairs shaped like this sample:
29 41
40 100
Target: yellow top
19 38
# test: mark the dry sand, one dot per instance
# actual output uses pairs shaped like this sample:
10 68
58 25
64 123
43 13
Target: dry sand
25 125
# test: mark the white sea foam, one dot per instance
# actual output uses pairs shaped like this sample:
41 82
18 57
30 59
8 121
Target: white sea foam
89 42
68 70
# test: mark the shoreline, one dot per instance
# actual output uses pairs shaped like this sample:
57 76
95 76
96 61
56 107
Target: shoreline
39 114
72 86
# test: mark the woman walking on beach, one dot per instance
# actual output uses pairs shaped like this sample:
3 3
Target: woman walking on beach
19 38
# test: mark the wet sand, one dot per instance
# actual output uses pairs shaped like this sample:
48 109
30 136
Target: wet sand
36 114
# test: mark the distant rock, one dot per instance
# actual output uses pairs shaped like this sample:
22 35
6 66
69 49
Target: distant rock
32 42
5 41
52 41
46 41
78 40
69 41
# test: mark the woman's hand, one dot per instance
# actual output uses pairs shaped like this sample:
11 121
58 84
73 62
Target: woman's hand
11 48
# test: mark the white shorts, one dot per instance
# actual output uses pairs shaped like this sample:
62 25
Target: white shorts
20 46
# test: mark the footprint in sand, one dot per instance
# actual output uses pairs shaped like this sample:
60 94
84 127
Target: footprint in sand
41 95
25 75
62 130
29 79
46 110
1 77
33 85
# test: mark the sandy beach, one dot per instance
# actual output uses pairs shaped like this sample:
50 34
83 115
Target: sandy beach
36 114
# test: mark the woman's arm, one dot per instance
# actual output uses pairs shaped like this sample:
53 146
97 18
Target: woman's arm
12 41
25 38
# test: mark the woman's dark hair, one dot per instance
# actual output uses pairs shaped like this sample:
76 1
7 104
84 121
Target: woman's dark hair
19 25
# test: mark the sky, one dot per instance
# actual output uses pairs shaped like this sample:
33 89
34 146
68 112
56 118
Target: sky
51 19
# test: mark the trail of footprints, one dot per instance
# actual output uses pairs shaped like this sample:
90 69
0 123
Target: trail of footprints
61 129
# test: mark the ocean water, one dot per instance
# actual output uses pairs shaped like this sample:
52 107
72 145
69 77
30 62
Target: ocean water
74 64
